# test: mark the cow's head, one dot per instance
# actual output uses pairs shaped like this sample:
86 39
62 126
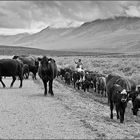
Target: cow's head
123 95
15 57
43 61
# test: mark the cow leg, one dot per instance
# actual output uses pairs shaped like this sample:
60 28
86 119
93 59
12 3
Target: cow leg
45 87
14 79
21 79
2 82
69 81
111 109
78 86
26 75
122 111
50 87
88 89
117 111
105 92
74 83
102 92
34 76
135 108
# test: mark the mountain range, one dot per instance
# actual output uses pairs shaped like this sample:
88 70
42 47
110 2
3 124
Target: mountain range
119 34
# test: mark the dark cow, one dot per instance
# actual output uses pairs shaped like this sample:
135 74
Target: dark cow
126 84
110 81
47 72
11 68
135 97
94 77
86 85
118 97
101 85
62 73
136 105
77 79
67 78
31 61
88 82
25 71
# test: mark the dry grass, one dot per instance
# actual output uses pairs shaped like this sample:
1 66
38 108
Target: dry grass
128 66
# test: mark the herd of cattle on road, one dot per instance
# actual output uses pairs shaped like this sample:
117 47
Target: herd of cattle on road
118 89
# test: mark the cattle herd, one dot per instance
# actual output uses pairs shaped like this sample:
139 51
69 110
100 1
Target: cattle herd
119 90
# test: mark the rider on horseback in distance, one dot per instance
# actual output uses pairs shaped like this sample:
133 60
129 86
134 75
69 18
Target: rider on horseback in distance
79 65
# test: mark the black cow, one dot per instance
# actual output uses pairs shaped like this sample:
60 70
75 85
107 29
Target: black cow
62 73
31 61
77 79
47 72
101 85
67 78
126 84
135 97
136 105
88 82
25 71
94 77
110 81
86 85
11 68
118 97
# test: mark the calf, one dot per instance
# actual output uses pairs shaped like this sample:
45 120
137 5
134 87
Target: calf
118 97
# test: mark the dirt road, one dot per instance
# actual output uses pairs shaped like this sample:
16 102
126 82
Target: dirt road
25 113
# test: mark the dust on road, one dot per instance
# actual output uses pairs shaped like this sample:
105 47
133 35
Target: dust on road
26 113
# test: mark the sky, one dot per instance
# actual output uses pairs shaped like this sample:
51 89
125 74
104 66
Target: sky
33 16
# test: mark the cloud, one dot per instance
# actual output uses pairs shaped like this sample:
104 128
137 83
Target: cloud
36 15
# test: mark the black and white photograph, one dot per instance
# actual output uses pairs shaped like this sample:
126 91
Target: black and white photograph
69 69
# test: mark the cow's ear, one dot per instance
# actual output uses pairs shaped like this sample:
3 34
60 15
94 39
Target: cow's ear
39 59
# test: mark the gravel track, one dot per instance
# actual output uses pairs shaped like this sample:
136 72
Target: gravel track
27 114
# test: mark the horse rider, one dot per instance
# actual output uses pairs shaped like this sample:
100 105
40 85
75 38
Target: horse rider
79 65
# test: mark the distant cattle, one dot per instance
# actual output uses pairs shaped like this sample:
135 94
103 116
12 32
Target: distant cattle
11 68
88 81
86 85
94 77
31 61
67 78
77 78
101 85
47 72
